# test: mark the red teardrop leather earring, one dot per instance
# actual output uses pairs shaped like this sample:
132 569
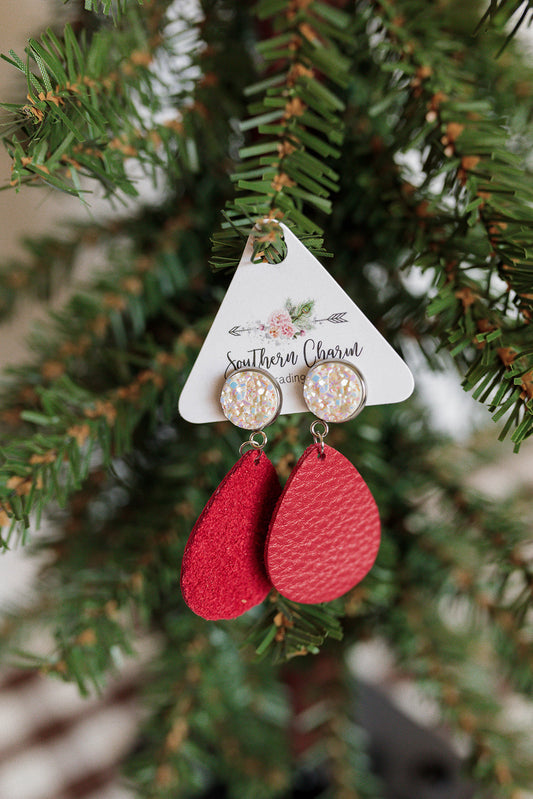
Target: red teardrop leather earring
223 572
325 531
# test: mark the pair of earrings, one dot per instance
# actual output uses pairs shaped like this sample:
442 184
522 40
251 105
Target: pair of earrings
312 541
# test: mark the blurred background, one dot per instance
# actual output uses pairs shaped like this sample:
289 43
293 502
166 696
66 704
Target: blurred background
55 745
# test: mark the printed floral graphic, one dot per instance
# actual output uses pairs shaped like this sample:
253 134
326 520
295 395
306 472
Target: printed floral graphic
294 320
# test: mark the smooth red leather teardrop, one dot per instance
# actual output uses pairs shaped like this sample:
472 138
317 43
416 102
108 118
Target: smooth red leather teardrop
325 531
223 573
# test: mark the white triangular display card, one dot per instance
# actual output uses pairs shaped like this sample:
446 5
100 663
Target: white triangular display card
283 318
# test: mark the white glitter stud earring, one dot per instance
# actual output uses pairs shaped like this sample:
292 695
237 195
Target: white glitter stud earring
223 572
334 391
251 399
324 533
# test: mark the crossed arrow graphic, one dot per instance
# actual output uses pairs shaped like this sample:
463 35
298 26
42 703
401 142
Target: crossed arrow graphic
334 318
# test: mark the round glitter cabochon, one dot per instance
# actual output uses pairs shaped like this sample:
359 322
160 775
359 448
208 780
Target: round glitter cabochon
251 399
334 391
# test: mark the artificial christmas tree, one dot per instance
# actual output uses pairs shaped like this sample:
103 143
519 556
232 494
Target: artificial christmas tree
388 134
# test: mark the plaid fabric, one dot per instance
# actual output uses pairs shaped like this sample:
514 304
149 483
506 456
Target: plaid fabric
56 745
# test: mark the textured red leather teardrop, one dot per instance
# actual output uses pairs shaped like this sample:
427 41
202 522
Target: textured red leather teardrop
223 572
325 531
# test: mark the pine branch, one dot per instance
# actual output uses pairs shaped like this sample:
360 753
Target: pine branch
455 570
487 573
288 629
446 591
100 367
94 104
298 125
51 259
54 413
480 230
500 12
437 659
50 264
70 421
114 8
445 547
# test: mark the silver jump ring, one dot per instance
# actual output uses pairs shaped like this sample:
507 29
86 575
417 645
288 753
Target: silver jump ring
251 442
319 435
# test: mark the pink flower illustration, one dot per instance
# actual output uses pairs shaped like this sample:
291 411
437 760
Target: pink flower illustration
288 330
280 325
279 318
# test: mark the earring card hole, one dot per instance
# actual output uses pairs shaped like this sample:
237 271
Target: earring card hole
268 245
